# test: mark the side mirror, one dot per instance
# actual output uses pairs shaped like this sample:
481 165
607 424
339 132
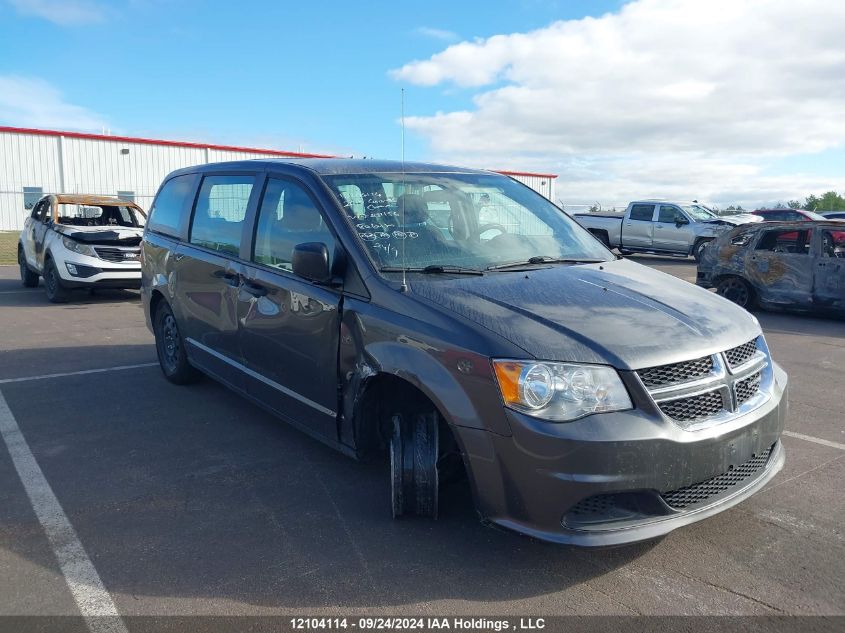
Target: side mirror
311 262
680 220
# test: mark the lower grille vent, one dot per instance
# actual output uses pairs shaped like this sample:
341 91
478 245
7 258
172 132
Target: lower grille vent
703 492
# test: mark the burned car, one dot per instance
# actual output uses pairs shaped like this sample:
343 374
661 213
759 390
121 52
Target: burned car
81 241
779 265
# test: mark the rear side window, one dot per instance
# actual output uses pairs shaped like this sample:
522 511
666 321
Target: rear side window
785 241
287 217
220 211
642 212
168 207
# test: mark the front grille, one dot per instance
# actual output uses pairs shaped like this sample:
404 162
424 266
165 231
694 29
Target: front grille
741 354
700 493
694 408
117 254
747 388
676 372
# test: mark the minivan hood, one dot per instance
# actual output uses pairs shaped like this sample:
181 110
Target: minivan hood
619 313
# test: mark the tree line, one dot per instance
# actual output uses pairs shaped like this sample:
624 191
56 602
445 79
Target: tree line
830 201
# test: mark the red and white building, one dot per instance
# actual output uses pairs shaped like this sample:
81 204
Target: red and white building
36 162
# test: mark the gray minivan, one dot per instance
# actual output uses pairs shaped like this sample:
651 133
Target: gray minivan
456 320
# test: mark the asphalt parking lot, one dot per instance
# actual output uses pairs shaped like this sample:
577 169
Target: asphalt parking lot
190 500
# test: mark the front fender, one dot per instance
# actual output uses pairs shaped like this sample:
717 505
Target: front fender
458 381
447 378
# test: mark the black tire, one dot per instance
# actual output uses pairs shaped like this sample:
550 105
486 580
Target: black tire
56 292
170 348
414 478
737 290
698 249
28 278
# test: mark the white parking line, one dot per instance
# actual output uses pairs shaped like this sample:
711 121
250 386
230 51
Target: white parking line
12 292
81 372
817 440
94 602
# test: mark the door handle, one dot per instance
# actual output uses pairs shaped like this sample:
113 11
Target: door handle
255 290
232 279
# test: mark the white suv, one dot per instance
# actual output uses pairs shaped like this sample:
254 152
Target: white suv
81 241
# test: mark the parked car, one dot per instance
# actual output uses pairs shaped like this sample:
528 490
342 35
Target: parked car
787 215
661 227
590 400
834 215
796 215
792 265
81 241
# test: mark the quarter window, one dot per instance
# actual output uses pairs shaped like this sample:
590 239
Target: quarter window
785 241
642 212
287 217
220 211
170 204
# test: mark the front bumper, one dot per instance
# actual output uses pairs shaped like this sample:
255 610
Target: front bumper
90 272
537 480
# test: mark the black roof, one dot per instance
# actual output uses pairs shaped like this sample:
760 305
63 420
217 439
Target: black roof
331 166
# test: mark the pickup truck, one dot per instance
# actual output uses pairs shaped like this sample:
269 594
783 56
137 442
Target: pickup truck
661 227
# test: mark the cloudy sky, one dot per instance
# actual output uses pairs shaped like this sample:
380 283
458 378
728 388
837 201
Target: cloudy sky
739 101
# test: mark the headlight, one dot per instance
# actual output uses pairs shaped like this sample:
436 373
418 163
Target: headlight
78 247
560 391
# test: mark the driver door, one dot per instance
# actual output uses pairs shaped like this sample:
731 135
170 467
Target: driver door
289 327
670 229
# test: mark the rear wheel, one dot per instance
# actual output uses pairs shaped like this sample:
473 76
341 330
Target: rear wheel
28 278
737 290
56 292
414 478
170 348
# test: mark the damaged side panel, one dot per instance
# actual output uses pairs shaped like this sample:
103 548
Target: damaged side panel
373 347
796 265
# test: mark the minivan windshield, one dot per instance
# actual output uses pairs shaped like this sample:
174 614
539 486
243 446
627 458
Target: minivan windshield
452 222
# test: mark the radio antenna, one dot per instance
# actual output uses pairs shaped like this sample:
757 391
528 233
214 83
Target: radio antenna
404 287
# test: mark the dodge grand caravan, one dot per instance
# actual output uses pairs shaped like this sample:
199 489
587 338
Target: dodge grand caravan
455 319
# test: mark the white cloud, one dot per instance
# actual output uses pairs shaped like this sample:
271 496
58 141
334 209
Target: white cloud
437 34
62 12
661 95
32 102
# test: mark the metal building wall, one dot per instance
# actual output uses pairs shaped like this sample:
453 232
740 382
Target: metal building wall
25 161
72 163
66 164
544 184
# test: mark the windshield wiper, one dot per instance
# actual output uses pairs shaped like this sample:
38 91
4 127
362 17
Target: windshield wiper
433 269
545 259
